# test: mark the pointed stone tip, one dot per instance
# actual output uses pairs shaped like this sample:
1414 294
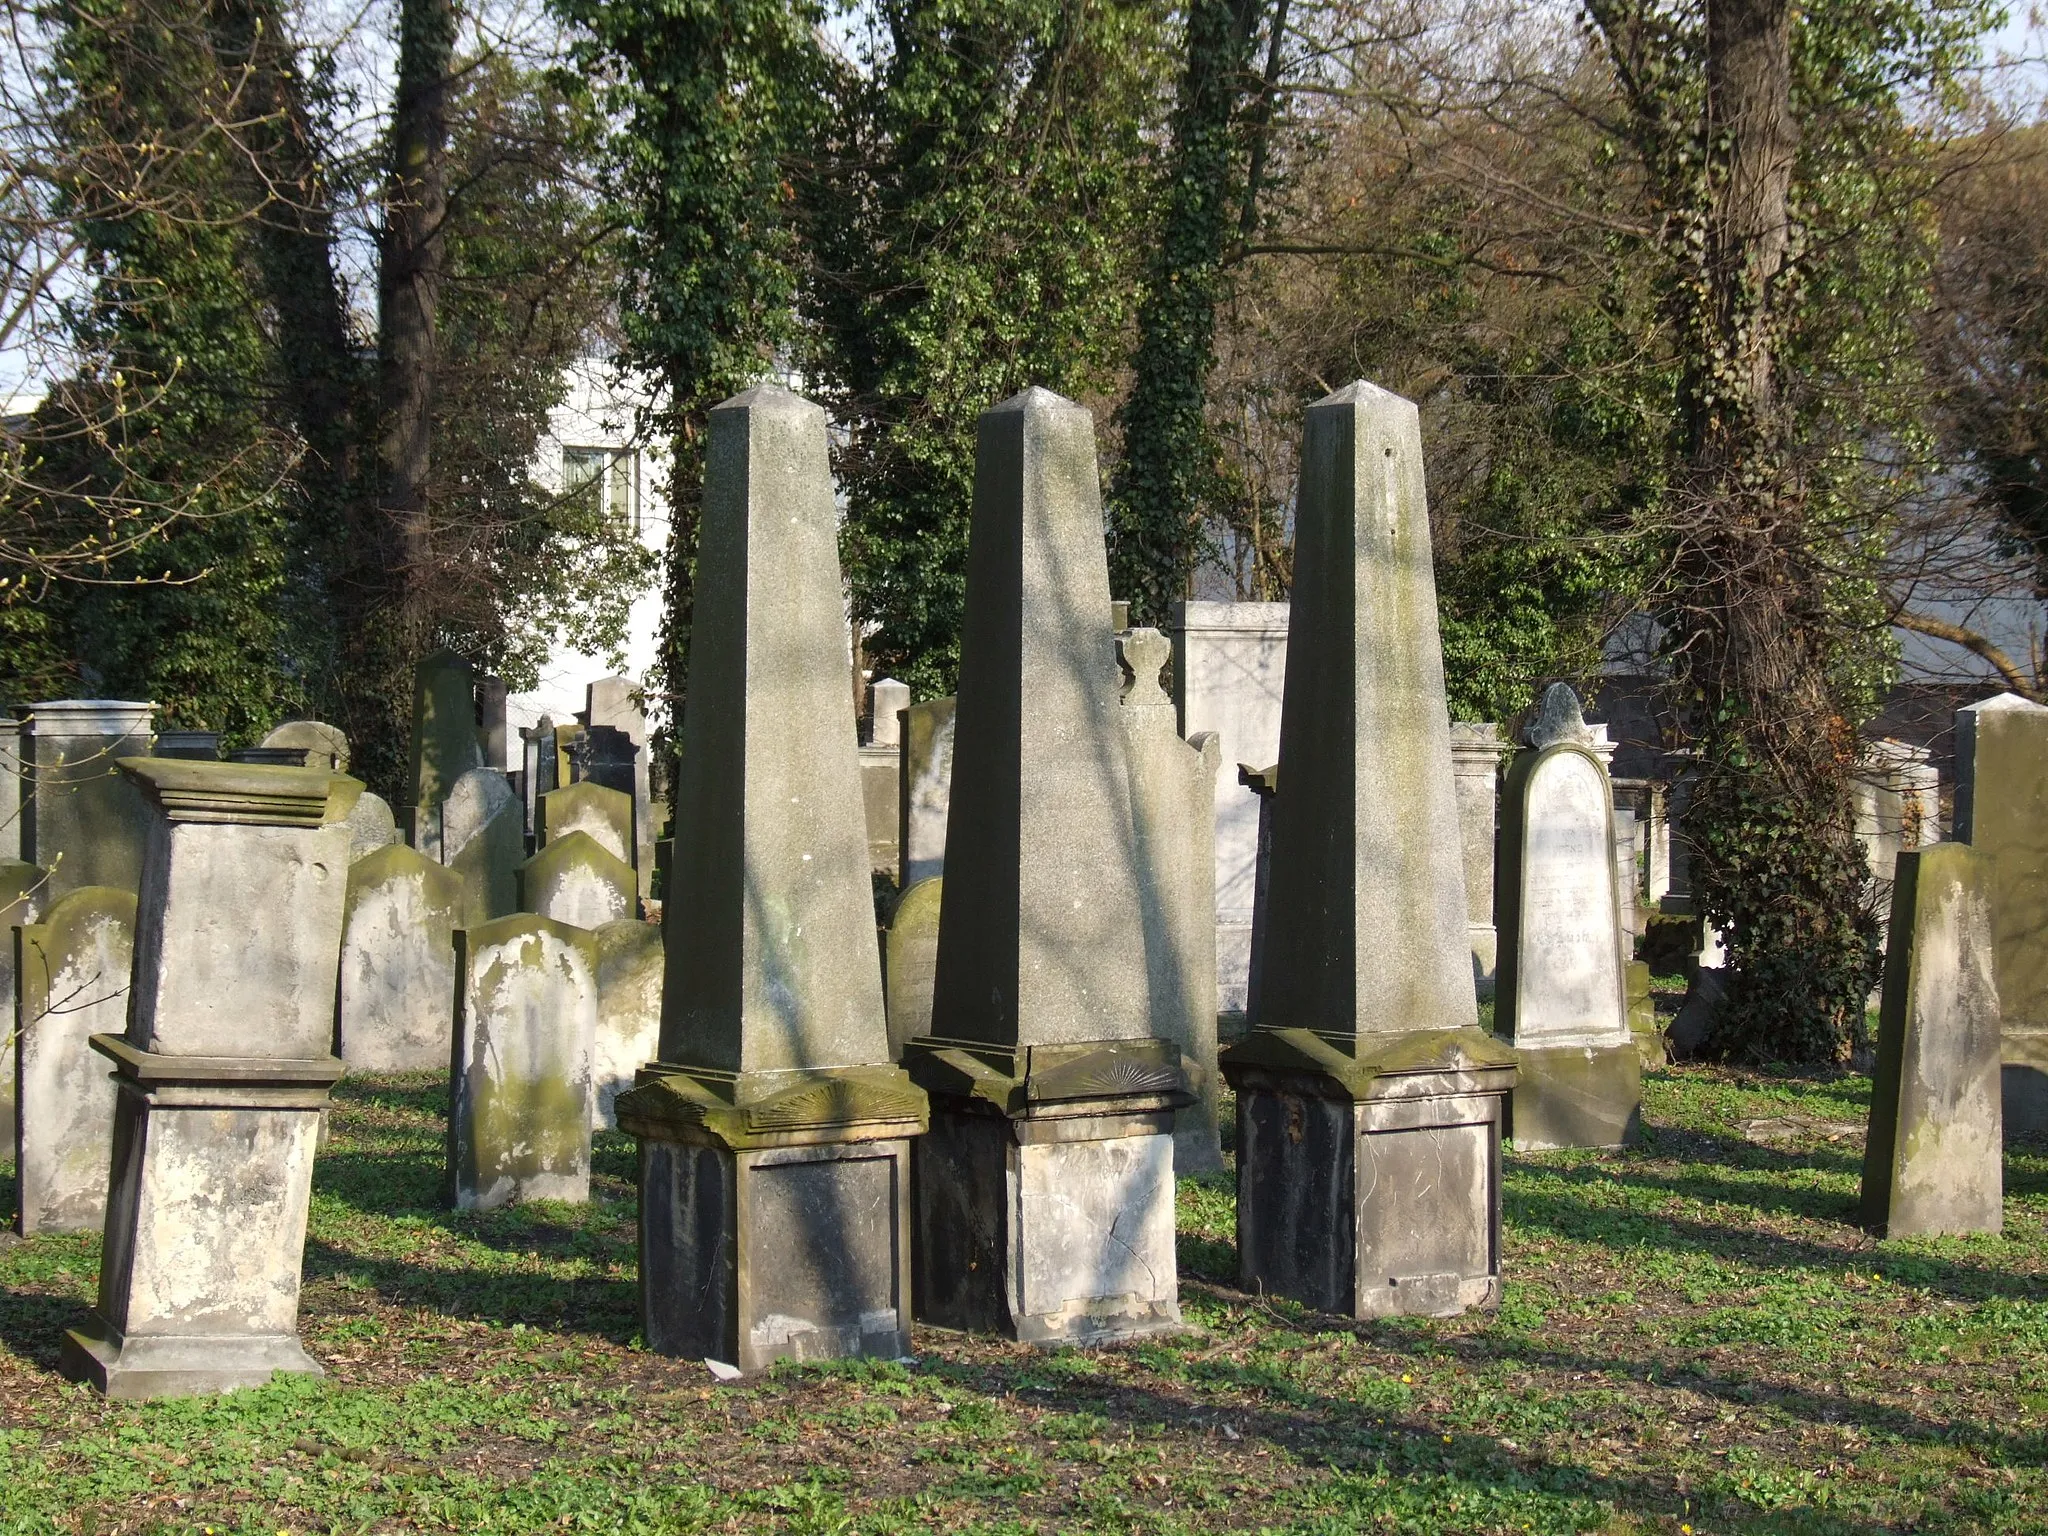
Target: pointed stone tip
771 396
1360 392
1562 719
2002 701
1035 397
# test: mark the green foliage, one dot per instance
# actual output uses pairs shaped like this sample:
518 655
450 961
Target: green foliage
975 227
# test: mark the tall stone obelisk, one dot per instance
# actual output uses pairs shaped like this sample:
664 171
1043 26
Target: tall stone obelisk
774 1131
1368 1099
1045 1186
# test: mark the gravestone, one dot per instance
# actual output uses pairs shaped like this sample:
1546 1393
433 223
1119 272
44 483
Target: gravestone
591 808
629 975
1368 1100
198 746
73 970
537 771
444 743
1173 812
911 962
12 772
1475 758
578 881
925 778
84 822
1934 1161
490 720
774 1134
2001 809
370 826
519 1094
1265 783
276 757
1564 955
398 962
222 1078
325 746
1229 668
1045 1184
613 703
887 699
1651 1050
484 842
24 892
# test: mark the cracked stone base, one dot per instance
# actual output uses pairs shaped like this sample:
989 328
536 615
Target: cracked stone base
1577 1096
1047 1231
796 1253
131 1369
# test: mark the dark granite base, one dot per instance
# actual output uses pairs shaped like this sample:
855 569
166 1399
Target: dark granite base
1577 1096
798 1253
189 1366
1387 1207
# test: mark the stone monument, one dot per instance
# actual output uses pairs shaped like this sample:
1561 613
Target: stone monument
12 774
325 746
82 821
925 782
1934 1162
24 892
1476 750
222 1076
578 881
1564 955
1045 1185
614 702
73 970
629 976
483 839
1368 1099
444 743
774 1134
395 1010
911 961
605 814
2001 809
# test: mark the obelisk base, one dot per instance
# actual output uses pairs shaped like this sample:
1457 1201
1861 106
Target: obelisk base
774 1212
206 1223
1577 1096
1368 1170
1045 1195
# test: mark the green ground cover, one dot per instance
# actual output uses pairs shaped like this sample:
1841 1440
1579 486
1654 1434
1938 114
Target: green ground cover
1695 1337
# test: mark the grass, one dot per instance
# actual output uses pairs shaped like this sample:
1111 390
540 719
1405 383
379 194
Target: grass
1695 1337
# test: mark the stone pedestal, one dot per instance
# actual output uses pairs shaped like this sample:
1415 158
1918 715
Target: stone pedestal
221 1078
81 820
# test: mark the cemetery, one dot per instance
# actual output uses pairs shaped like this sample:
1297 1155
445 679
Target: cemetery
988 1112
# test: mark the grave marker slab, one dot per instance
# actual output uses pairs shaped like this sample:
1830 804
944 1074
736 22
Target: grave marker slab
1476 750
629 976
577 881
483 839
325 746
591 808
13 770
912 962
925 781
614 703
371 826
444 742
398 962
24 892
83 821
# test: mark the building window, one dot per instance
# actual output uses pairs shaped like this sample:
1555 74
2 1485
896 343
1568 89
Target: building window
602 478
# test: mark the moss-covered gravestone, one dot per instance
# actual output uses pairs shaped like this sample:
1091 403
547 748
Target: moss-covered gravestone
398 962
1562 992
924 782
483 839
222 1076
592 809
2002 811
629 977
1045 1185
912 961
1368 1099
73 968
325 746
577 881
444 742
1934 1161
774 1133
81 820
520 1090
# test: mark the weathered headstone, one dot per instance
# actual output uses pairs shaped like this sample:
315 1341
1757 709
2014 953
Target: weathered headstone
370 826
222 1075
629 976
483 841
881 798
537 770
1368 1099
12 773
614 703
326 746
520 1092
1476 750
276 757
1651 1050
578 881
911 962
83 821
2001 809
1229 667
398 962
774 1134
73 970
199 746
444 742
887 699
24 893
925 778
1934 1161
490 720
1173 813
1265 783
1563 955
591 808
1045 1185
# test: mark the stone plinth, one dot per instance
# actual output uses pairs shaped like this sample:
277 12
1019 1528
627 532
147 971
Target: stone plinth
1476 751
1934 1161
1564 953
925 784
1229 670
520 1099
222 1076
444 742
81 820
73 968
1045 1190
201 746
395 1010
2001 809
774 1133
1369 1102
576 881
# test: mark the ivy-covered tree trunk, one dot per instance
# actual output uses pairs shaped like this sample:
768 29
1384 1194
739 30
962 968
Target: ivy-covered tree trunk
1169 464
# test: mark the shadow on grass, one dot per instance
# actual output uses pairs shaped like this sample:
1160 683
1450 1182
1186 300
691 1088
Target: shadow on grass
596 1305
